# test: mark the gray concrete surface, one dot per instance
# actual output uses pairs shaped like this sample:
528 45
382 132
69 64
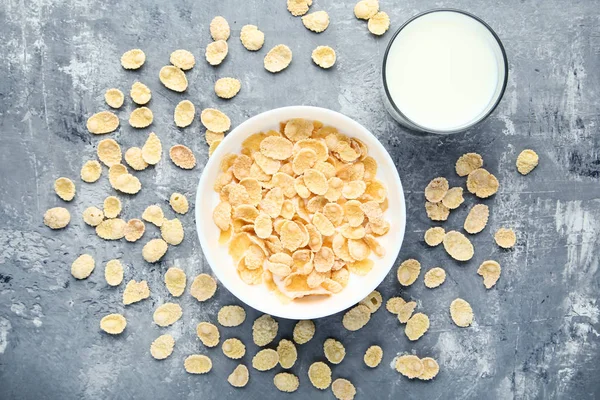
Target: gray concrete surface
536 334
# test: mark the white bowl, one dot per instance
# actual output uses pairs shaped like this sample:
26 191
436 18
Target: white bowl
258 296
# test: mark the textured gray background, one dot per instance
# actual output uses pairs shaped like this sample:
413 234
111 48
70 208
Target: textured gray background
535 334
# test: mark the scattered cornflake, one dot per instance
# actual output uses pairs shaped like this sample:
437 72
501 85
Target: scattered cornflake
112 207
437 211
91 171
212 137
394 304
365 9
356 317
436 190
182 59
114 98
208 333
111 229
203 287
408 272
64 188
453 198
287 353
102 122
173 78
114 172
490 271
133 59
303 331
171 231
334 351
216 52
215 120
324 56
527 161
373 301
379 23
152 149
219 28
317 21
477 218
93 216
458 246
226 88
461 313
278 58
109 152
162 347
141 117
179 203
434 236
197 364
468 163
434 277
133 157
140 93
505 238
233 348
213 146
482 184
265 359
239 377
286 382
430 369
409 366
252 38
264 330
319 374
154 250
182 156
128 183
184 113
416 326
113 272
298 7
231 316
135 291
83 266
113 324
167 314
175 281
343 389
373 356
154 214
406 311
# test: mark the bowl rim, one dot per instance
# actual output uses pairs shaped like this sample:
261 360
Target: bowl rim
317 312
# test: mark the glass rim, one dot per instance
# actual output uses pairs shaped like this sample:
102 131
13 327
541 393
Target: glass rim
474 122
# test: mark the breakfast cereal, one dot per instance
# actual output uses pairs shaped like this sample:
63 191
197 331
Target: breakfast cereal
458 246
140 93
278 58
152 149
102 123
252 38
505 238
468 163
233 348
111 229
219 28
208 334
133 59
461 313
334 351
109 152
162 347
114 98
135 291
91 171
416 326
319 375
83 266
317 21
197 364
490 271
173 78
226 88
527 161
182 59
216 52
167 314
343 389
379 23
286 382
93 216
113 273
154 250
175 281
239 377
373 356
113 324
203 287
434 277
184 113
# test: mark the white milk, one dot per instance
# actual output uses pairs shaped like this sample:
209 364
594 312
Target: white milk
444 71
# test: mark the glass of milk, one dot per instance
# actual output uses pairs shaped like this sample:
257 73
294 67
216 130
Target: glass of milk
444 71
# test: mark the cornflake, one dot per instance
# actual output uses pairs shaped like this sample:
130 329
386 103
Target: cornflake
287 353
64 188
468 163
334 351
93 216
416 326
114 172
197 364
154 250
208 334
203 287
102 122
437 211
83 266
128 183
140 93
477 218
482 184
113 324
265 360
406 311
408 272
91 171
133 157
453 198
182 156
252 38
233 348
264 330
135 291
373 356
343 389
133 59
409 366
436 190
379 23
286 382
114 98
490 271
184 113
152 149
394 304
112 207
212 137
434 236
298 7
461 313
239 377
278 58
141 117
154 214
231 316
113 273
226 88
219 28
505 238
109 152
134 230
216 52
434 277
304 331
162 347
173 78
215 120
111 229
213 146
317 21
372 301
179 203
182 59
324 56
167 314
365 9
319 374
527 161
430 369
458 246
175 281
356 317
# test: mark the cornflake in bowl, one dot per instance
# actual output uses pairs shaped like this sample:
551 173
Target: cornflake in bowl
290 201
